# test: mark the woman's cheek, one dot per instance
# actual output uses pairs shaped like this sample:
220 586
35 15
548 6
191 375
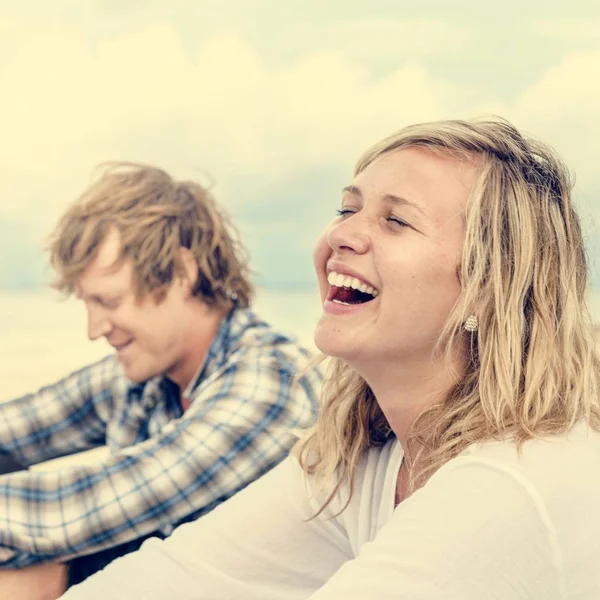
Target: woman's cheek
321 254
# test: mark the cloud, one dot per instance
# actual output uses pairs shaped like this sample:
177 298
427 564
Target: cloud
279 138
569 30
562 106
272 138
394 39
69 104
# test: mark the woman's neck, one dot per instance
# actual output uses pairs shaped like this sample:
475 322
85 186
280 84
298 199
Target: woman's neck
405 393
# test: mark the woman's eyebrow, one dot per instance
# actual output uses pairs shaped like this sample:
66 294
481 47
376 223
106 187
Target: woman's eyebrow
391 199
352 189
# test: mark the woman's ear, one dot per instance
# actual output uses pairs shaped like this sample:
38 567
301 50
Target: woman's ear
189 275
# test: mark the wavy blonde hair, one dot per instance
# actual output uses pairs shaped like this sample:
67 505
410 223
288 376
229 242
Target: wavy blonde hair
155 217
532 368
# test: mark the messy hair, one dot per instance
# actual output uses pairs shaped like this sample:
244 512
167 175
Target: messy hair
155 216
532 368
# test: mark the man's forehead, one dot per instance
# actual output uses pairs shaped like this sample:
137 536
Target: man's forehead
104 281
107 273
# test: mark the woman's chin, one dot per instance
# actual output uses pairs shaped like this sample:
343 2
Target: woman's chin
330 341
322 340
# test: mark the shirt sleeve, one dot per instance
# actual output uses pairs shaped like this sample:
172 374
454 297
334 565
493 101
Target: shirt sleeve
477 530
260 544
66 417
240 425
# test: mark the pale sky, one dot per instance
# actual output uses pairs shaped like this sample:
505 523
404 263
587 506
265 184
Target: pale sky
273 100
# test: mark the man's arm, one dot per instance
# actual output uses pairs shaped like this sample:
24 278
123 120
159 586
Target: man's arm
238 427
66 417
39 582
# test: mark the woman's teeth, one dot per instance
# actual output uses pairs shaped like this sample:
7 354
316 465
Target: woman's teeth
339 280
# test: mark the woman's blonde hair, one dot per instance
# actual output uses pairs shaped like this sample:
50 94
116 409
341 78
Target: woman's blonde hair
532 368
155 217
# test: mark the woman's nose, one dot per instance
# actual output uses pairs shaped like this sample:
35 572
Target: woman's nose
350 234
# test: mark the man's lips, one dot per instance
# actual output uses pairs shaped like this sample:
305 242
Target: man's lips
121 346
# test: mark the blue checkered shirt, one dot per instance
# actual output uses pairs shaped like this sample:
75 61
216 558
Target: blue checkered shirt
165 467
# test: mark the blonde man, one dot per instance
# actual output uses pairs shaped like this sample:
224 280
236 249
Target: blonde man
197 401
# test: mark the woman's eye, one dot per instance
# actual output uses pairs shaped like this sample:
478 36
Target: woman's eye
397 221
342 212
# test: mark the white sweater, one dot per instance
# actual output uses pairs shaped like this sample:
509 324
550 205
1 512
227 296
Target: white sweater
490 524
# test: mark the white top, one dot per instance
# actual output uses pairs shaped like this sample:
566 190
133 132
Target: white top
490 524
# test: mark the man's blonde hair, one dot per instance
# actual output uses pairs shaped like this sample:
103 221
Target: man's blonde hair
532 368
155 217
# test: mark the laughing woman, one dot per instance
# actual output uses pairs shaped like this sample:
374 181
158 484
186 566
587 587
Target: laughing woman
457 452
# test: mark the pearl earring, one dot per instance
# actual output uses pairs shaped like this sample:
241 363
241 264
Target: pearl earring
471 324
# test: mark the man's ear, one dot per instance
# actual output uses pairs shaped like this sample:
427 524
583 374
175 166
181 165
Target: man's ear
190 270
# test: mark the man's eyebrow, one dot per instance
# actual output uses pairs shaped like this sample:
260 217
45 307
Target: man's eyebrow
100 296
390 198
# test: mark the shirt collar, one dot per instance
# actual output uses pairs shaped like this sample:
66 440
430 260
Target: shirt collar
216 352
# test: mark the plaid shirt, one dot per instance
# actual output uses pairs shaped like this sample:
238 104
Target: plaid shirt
165 467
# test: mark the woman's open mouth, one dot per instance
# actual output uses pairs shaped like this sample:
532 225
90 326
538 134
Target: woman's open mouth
349 290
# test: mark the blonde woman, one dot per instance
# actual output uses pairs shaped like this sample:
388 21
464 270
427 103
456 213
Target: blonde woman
457 452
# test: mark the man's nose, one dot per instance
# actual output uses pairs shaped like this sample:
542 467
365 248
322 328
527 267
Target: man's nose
99 324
